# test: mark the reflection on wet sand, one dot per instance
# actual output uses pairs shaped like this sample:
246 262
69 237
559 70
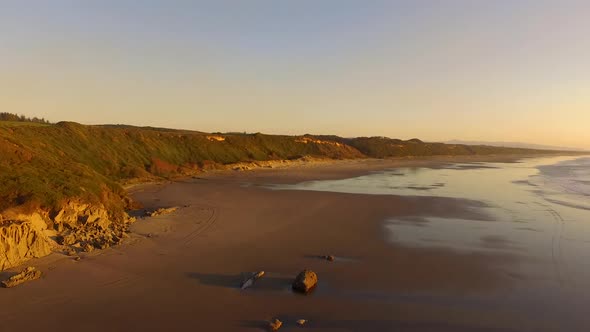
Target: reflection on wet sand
534 211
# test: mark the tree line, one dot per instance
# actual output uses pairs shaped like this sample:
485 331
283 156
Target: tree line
5 116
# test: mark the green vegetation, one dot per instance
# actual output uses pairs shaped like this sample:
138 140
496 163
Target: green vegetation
42 166
383 147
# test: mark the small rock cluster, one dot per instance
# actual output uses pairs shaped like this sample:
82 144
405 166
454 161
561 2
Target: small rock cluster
275 324
28 274
304 283
88 239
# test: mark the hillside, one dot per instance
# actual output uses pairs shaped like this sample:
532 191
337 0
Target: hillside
42 165
70 176
516 145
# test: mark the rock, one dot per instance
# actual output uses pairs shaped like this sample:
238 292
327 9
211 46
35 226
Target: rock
102 245
301 322
70 251
74 224
28 274
250 281
329 258
66 239
88 247
160 211
305 281
74 214
103 223
275 324
19 242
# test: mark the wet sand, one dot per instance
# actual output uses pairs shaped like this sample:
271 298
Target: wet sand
183 271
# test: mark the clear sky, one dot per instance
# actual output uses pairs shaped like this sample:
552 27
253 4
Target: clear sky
475 70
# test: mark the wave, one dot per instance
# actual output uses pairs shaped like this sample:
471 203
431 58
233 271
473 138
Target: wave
565 183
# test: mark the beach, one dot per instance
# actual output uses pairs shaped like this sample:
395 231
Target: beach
183 271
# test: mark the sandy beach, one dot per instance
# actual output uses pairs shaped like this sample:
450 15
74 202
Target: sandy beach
183 271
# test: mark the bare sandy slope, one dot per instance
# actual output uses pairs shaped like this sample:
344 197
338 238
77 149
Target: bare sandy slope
183 271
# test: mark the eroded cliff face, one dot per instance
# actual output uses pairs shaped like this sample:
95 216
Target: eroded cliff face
21 241
73 228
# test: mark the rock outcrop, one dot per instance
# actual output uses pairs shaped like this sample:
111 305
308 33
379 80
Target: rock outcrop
21 241
83 227
305 281
74 215
75 227
28 274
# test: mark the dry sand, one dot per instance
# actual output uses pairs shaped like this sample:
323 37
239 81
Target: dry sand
182 271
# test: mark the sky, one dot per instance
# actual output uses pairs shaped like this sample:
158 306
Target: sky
437 70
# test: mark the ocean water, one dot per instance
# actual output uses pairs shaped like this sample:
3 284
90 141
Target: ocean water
537 209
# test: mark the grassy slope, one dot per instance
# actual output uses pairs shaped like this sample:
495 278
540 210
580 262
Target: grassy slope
43 165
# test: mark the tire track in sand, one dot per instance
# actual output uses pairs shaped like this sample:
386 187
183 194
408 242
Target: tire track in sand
203 227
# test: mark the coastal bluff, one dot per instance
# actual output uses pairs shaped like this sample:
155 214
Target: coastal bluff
63 185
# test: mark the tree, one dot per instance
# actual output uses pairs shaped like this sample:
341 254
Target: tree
5 116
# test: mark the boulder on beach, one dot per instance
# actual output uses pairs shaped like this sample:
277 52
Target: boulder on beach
28 274
305 281
275 324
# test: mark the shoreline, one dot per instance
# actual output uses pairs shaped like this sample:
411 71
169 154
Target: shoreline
346 167
183 270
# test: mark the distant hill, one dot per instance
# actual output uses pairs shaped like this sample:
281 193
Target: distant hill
515 145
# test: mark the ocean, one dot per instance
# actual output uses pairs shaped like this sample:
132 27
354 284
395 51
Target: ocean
535 211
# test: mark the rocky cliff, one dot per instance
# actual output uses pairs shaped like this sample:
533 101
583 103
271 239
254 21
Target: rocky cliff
75 227
20 241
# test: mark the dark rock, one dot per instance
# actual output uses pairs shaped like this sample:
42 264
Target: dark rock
305 281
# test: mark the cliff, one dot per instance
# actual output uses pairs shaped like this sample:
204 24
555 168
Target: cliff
21 240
